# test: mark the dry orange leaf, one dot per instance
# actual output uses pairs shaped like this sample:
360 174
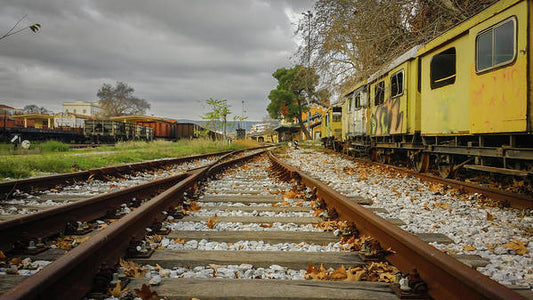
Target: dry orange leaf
15 261
132 269
194 206
355 274
117 290
442 205
146 293
339 274
2 256
212 222
290 194
269 225
469 247
179 241
518 246
489 217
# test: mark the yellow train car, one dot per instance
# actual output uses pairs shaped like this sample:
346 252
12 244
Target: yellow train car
394 101
475 91
355 116
460 100
331 130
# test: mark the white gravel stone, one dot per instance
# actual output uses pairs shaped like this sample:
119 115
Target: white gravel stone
461 218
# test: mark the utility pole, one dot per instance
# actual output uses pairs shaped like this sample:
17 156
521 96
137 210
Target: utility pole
309 15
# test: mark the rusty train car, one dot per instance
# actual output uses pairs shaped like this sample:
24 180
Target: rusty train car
122 128
462 100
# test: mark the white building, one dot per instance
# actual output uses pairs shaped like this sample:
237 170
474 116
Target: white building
82 108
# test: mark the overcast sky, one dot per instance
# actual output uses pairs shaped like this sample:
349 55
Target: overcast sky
175 54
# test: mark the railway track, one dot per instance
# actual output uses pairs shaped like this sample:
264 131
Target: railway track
244 224
8 189
506 198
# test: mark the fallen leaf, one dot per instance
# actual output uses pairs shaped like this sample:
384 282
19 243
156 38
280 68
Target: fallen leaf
269 225
2 256
442 205
489 217
179 241
469 247
355 275
117 290
132 269
146 293
194 206
212 222
339 274
15 261
518 246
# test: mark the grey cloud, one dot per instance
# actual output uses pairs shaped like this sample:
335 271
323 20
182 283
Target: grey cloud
174 53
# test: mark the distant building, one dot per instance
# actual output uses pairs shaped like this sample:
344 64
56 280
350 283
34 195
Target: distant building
82 108
8 110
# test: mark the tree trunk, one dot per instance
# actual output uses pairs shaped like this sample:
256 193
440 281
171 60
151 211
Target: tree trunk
305 131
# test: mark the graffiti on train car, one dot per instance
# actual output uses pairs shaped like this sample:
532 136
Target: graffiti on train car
387 119
499 100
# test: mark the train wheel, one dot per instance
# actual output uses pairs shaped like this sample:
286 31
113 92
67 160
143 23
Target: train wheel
383 158
374 154
445 165
420 162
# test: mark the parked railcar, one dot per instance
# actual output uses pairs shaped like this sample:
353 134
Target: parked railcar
331 130
355 116
106 131
461 100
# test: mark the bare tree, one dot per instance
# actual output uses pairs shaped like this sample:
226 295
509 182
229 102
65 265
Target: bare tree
33 27
119 100
347 40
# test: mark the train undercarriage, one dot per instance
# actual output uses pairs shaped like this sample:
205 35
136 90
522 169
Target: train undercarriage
499 154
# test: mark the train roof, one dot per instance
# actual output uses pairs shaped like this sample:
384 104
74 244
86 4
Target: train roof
134 118
353 88
34 116
408 55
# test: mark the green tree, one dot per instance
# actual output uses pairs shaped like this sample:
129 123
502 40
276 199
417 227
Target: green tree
295 91
219 111
118 100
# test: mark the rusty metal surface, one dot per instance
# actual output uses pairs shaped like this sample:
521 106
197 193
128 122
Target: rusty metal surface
46 182
52 221
70 277
446 277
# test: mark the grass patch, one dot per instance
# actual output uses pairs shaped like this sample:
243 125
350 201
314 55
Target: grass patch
53 158
53 146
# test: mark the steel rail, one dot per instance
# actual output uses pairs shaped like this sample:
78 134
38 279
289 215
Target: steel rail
46 182
447 278
514 199
51 221
70 277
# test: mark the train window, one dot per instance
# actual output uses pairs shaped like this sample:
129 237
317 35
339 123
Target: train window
496 46
396 84
442 68
379 93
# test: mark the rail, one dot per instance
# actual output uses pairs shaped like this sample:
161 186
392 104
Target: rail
446 277
71 275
